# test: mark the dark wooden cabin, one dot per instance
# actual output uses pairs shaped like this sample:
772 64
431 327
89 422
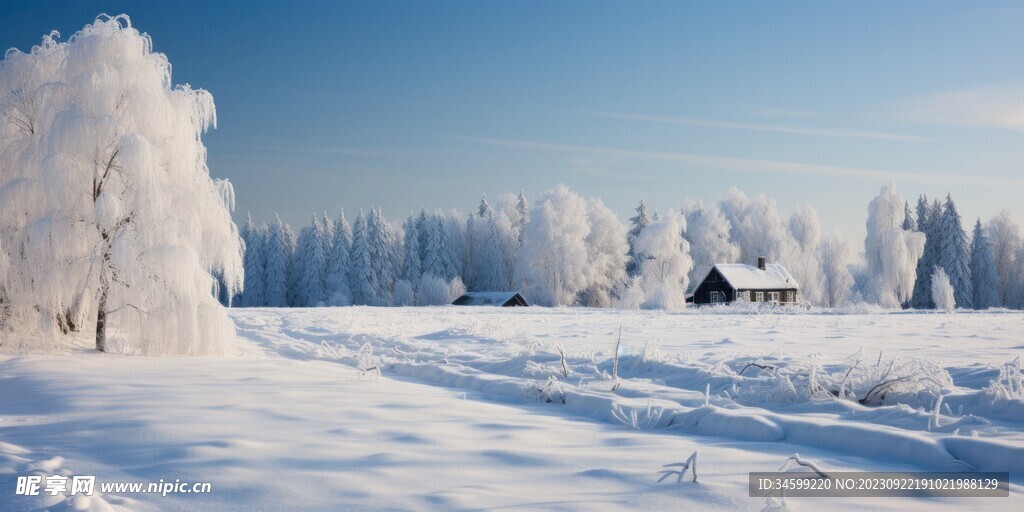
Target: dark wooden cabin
728 282
501 299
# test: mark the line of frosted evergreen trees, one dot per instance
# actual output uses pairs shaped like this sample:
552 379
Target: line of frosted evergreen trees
568 250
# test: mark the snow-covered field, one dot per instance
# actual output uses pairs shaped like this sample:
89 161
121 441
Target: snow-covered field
463 408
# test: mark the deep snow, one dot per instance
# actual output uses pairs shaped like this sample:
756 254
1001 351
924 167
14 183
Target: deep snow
467 409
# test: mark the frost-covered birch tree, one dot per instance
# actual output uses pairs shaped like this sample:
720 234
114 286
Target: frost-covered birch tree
554 253
117 226
707 231
665 263
836 280
1004 236
607 256
942 290
891 252
802 258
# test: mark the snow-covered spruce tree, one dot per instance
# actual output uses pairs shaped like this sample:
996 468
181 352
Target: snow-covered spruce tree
123 228
325 233
636 225
836 280
484 210
411 265
362 278
943 294
1004 236
490 271
255 270
519 216
922 296
922 214
707 230
955 254
909 224
310 266
386 250
665 264
455 239
607 256
336 285
553 257
802 257
891 253
985 280
277 255
435 248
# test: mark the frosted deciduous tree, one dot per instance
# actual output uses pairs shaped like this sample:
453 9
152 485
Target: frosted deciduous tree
764 232
123 228
554 253
836 279
985 279
707 231
607 255
435 291
1004 236
403 294
336 285
942 290
802 258
891 252
665 262
955 254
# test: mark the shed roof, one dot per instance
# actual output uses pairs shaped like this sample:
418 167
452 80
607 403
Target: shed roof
749 277
491 299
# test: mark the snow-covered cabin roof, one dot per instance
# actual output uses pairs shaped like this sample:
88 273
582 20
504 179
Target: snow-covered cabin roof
490 299
748 277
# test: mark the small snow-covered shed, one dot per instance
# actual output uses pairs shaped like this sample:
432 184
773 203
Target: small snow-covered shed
501 299
727 282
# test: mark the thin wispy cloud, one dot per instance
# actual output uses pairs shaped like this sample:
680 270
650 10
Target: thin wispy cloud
990 107
764 127
305 149
743 165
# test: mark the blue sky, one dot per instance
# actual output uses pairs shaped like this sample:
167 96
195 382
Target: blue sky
406 105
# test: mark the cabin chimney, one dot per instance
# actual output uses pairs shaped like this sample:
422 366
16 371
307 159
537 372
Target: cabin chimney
761 262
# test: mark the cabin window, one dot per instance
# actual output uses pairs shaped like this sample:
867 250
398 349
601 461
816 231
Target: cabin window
773 296
758 296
